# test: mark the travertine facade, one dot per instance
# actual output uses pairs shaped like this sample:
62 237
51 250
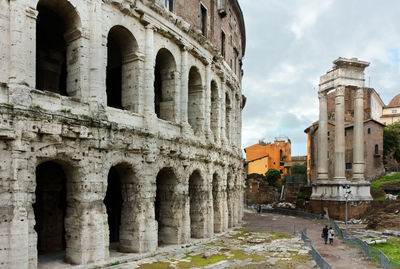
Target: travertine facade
120 123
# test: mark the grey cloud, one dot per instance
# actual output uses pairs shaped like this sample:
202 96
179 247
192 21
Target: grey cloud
284 100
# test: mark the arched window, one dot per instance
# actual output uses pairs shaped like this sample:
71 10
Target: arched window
227 116
214 108
165 85
195 100
57 48
121 79
376 149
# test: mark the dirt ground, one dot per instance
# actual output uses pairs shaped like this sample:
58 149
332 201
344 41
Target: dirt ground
338 255
381 216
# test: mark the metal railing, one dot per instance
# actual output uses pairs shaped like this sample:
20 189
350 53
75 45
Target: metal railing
371 252
316 256
294 213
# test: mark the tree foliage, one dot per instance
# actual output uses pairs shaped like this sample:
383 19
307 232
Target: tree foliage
298 169
391 141
273 177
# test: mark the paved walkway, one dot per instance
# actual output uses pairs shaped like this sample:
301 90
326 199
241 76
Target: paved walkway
338 255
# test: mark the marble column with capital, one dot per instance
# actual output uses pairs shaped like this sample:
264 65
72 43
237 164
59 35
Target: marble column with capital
358 137
339 171
323 136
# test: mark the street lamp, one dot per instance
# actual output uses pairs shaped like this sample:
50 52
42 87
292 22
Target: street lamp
346 196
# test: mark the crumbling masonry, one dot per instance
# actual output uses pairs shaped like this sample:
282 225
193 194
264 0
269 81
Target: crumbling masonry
120 123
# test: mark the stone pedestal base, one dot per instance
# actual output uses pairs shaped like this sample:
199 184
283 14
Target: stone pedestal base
329 197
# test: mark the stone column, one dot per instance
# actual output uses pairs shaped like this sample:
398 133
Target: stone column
148 85
358 137
339 172
98 59
207 102
222 114
323 136
22 46
184 84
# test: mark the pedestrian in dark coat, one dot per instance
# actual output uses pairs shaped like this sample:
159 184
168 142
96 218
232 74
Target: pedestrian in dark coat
325 234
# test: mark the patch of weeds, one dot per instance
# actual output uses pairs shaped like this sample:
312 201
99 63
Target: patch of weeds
35 107
294 262
155 265
115 263
243 234
199 261
391 249
8 105
241 255
276 236
66 110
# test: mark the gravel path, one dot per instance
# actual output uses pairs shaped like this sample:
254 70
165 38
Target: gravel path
338 255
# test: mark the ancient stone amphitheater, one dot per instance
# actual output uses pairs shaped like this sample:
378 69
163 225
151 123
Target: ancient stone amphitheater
120 125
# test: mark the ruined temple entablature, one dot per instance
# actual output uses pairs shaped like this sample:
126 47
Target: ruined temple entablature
345 72
120 125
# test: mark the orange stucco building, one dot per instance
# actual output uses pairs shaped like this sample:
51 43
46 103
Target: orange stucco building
263 156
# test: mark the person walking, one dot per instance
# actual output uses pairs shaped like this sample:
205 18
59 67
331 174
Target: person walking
325 234
331 235
258 208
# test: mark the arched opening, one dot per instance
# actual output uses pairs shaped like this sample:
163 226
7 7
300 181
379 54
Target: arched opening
50 208
113 203
121 80
165 85
376 149
198 197
51 50
119 202
166 206
195 100
214 108
55 43
228 109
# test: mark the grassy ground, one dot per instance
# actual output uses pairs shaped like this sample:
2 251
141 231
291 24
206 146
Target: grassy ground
378 185
391 248
230 250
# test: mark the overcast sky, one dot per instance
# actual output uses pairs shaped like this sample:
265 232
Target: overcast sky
291 43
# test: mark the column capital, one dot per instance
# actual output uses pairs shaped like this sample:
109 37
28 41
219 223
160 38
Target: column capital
359 93
340 90
323 95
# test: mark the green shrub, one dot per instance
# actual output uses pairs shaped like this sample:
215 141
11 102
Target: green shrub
273 176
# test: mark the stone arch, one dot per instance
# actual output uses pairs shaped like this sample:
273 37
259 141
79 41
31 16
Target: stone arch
195 100
165 85
214 109
198 195
53 207
120 204
228 109
58 37
122 63
168 206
